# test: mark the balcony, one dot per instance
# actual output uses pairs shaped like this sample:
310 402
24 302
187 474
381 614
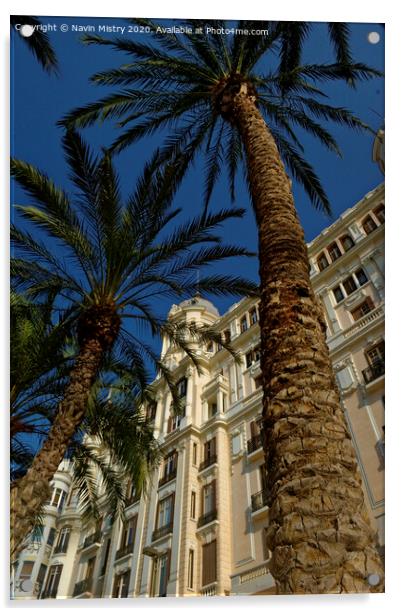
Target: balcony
207 517
162 531
259 500
210 590
208 462
60 549
168 477
254 443
83 586
373 372
92 540
125 550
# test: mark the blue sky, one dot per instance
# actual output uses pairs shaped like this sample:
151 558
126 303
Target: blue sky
39 100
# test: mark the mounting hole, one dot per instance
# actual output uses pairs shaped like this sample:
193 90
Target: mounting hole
373 579
27 30
373 38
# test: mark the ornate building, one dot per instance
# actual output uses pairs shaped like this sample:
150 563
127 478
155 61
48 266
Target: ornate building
200 528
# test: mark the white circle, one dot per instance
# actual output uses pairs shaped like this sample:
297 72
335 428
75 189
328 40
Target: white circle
27 30
373 38
373 579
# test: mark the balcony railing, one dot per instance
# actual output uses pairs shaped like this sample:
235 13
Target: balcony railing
82 586
254 443
94 538
259 500
126 549
163 530
168 477
208 462
373 372
60 549
49 593
207 517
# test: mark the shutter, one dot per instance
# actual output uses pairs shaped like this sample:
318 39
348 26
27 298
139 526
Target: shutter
157 515
254 429
67 539
209 564
169 425
168 564
54 589
213 447
214 495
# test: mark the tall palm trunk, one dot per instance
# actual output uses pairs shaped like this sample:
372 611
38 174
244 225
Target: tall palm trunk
30 492
319 531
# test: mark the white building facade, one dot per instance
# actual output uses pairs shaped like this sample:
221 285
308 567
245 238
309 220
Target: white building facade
199 529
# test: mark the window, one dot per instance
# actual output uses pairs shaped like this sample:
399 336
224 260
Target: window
334 251
41 578
379 213
26 570
165 512
322 262
182 388
258 382
151 411
253 316
347 242
369 225
227 335
106 556
63 539
248 358
173 422
132 494
37 534
338 294
194 454
58 498
263 476
212 408
375 355
256 354
209 563
53 580
51 536
160 575
361 277
191 555
128 533
120 588
90 567
169 467
209 498
210 449
209 347
349 285
193 505
243 324
363 309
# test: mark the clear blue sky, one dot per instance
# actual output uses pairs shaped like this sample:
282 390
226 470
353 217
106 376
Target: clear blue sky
39 100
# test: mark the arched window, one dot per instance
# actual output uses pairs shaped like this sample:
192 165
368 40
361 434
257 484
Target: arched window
322 261
369 225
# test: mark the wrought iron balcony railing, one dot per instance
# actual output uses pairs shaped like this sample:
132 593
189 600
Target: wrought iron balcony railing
126 549
373 372
259 500
208 462
207 517
163 530
94 538
168 477
254 443
83 586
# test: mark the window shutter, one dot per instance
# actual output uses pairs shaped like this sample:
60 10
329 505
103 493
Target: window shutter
27 569
168 564
209 564
214 494
254 429
213 447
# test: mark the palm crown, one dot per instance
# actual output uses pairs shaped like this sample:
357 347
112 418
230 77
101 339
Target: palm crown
183 79
119 261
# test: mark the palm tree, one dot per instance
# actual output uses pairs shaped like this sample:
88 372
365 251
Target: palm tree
38 43
222 98
114 440
104 260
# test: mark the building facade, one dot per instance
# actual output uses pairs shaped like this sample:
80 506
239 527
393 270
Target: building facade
199 529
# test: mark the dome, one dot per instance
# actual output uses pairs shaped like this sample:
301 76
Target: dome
199 302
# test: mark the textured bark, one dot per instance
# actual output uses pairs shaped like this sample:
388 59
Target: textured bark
319 531
30 492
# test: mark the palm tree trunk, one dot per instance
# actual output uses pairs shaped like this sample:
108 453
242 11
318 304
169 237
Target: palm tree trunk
30 492
319 531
